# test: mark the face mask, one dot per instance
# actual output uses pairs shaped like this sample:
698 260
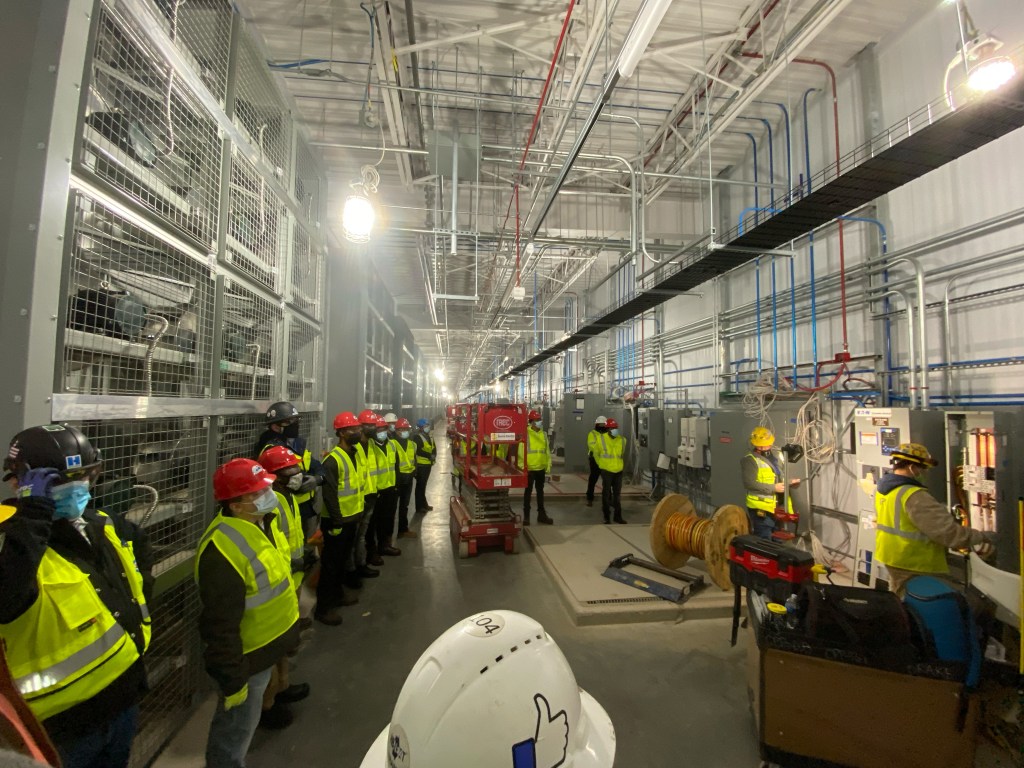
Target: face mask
266 502
382 436
404 434
291 431
427 429
70 499
294 482
613 432
536 424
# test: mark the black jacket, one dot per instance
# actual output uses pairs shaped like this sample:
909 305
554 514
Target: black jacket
24 538
222 592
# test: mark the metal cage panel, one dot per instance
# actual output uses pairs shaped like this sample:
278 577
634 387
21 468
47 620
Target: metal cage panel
202 31
260 110
238 436
305 362
250 331
257 227
307 273
139 314
309 182
144 134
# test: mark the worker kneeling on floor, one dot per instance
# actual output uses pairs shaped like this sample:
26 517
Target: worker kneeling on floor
250 616
74 584
494 690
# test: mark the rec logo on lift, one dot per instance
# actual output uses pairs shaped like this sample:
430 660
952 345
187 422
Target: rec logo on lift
502 422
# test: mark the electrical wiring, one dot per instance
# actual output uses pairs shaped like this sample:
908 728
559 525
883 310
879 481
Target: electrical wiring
814 433
759 398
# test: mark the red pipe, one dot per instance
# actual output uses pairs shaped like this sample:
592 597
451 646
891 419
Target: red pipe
842 240
516 194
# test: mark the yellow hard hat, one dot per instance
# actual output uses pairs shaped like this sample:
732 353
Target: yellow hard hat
762 437
915 453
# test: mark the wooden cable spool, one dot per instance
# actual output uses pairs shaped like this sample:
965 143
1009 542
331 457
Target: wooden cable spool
677 534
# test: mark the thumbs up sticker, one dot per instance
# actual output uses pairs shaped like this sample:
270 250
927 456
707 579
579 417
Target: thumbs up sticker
549 746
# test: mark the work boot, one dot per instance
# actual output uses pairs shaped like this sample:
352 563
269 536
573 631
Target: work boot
276 718
543 519
590 502
429 508
374 560
408 535
618 519
367 572
421 511
349 596
526 520
607 519
390 550
331 618
292 693
305 623
352 580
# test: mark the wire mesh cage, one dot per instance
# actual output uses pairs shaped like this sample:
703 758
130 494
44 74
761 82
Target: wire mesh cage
256 224
307 272
304 362
139 314
312 430
249 333
260 111
202 31
238 435
155 474
308 183
143 132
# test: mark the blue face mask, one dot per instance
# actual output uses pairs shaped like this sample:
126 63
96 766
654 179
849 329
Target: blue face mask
536 424
70 499
613 432
404 434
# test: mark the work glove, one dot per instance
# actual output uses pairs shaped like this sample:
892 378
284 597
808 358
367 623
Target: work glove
987 548
236 699
309 484
37 482
334 531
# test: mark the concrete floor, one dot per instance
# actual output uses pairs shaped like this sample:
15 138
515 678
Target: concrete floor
670 688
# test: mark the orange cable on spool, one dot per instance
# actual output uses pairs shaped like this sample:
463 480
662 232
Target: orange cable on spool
677 534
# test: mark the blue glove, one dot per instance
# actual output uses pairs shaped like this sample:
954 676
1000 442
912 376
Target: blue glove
37 482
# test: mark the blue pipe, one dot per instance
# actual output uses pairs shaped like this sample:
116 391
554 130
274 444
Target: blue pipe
753 144
792 309
810 235
775 327
752 209
771 163
688 370
757 309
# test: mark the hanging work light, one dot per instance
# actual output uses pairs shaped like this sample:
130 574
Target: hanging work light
978 66
358 216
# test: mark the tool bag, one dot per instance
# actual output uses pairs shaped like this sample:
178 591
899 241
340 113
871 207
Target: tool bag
945 623
855 625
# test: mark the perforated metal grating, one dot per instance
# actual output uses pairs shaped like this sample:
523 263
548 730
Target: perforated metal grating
304 362
139 314
256 224
250 330
144 134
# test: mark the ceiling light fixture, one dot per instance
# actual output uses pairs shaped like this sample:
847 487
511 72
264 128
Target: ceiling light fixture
981 67
439 374
640 34
358 216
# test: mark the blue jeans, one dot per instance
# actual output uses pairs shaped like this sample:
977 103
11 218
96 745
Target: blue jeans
231 731
106 746
762 526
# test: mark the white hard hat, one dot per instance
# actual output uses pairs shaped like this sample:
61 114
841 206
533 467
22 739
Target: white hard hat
493 688
390 418
601 420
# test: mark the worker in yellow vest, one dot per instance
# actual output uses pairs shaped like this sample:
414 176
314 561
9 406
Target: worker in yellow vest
287 469
426 455
535 457
282 419
913 529
343 506
74 589
250 616
592 449
407 448
611 449
358 565
763 479
378 535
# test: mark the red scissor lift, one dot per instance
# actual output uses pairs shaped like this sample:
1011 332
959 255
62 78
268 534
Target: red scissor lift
482 514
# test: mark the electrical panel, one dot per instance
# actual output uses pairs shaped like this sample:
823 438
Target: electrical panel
984 477
650 437
693 447
575 418
672 419
877 432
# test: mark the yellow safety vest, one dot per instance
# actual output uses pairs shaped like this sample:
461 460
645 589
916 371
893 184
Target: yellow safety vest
428 447
305 461
367 471
765 474
271 607
407 457
68 646
350 495
593 437
537 454
900 543
384 459
609 455
290 522
464 450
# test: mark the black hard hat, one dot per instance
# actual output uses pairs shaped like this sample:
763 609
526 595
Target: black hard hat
57 446
281 411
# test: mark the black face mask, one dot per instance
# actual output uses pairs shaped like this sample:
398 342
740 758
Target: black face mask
291 431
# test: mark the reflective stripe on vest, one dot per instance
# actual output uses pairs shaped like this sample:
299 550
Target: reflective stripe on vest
536 450
67 646
765 474
386 458
427 448
898 542
350 498
271 606
407 457
610 457
290 521
367 480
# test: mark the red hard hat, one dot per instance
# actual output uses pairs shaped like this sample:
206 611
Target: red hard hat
239 477
533 416
368 418
345 419
403 424
278 457
612 424
381 422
